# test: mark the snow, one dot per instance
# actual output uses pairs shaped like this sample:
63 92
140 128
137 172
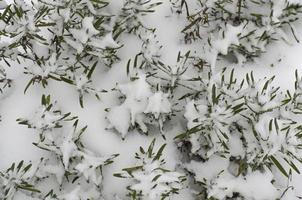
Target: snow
256 185
3 4
230 37
68 148
137 93
81 81
154 189
86 32
192 113
119 118
130 103
89 165
57 170
209 169
106 42
2 25
83 34
72 195
158 103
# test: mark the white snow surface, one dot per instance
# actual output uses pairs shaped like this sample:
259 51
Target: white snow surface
16 141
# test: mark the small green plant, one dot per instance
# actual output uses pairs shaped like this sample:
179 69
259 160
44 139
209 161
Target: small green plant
150 178
18 177
241 28
69 162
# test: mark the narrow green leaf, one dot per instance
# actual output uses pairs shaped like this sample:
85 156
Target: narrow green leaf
150 149
159 152
279 166
91 70
128 67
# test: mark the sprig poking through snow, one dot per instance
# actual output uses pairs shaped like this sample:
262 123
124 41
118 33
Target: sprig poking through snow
150 179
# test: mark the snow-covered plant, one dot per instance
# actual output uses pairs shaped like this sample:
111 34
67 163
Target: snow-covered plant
47 117
151 180
140 106
238 120
62 41
70 162
5 82
74 26
211 114
238 137
157 94
82 81
251 125
46 69
66 40
131 19
19 177
239 27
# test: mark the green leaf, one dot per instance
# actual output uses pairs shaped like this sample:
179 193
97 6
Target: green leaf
119 175
194 22
267 84
156 177
20 165
142 150
81 101
159 152
292 165
150 149
67 80
214 97
237 107
184 3
28 84
279 166
128 67
28 188
193 130
92 70
132 169
7 10
27 168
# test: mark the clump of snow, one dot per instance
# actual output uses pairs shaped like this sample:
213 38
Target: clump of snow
68 148
136 93
105 42
139 100
85 32
230 37
255 185
158 103
119 118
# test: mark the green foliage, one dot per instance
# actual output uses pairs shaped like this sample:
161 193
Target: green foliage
69 161
263 22
62 41
17 178
151 179
47 117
